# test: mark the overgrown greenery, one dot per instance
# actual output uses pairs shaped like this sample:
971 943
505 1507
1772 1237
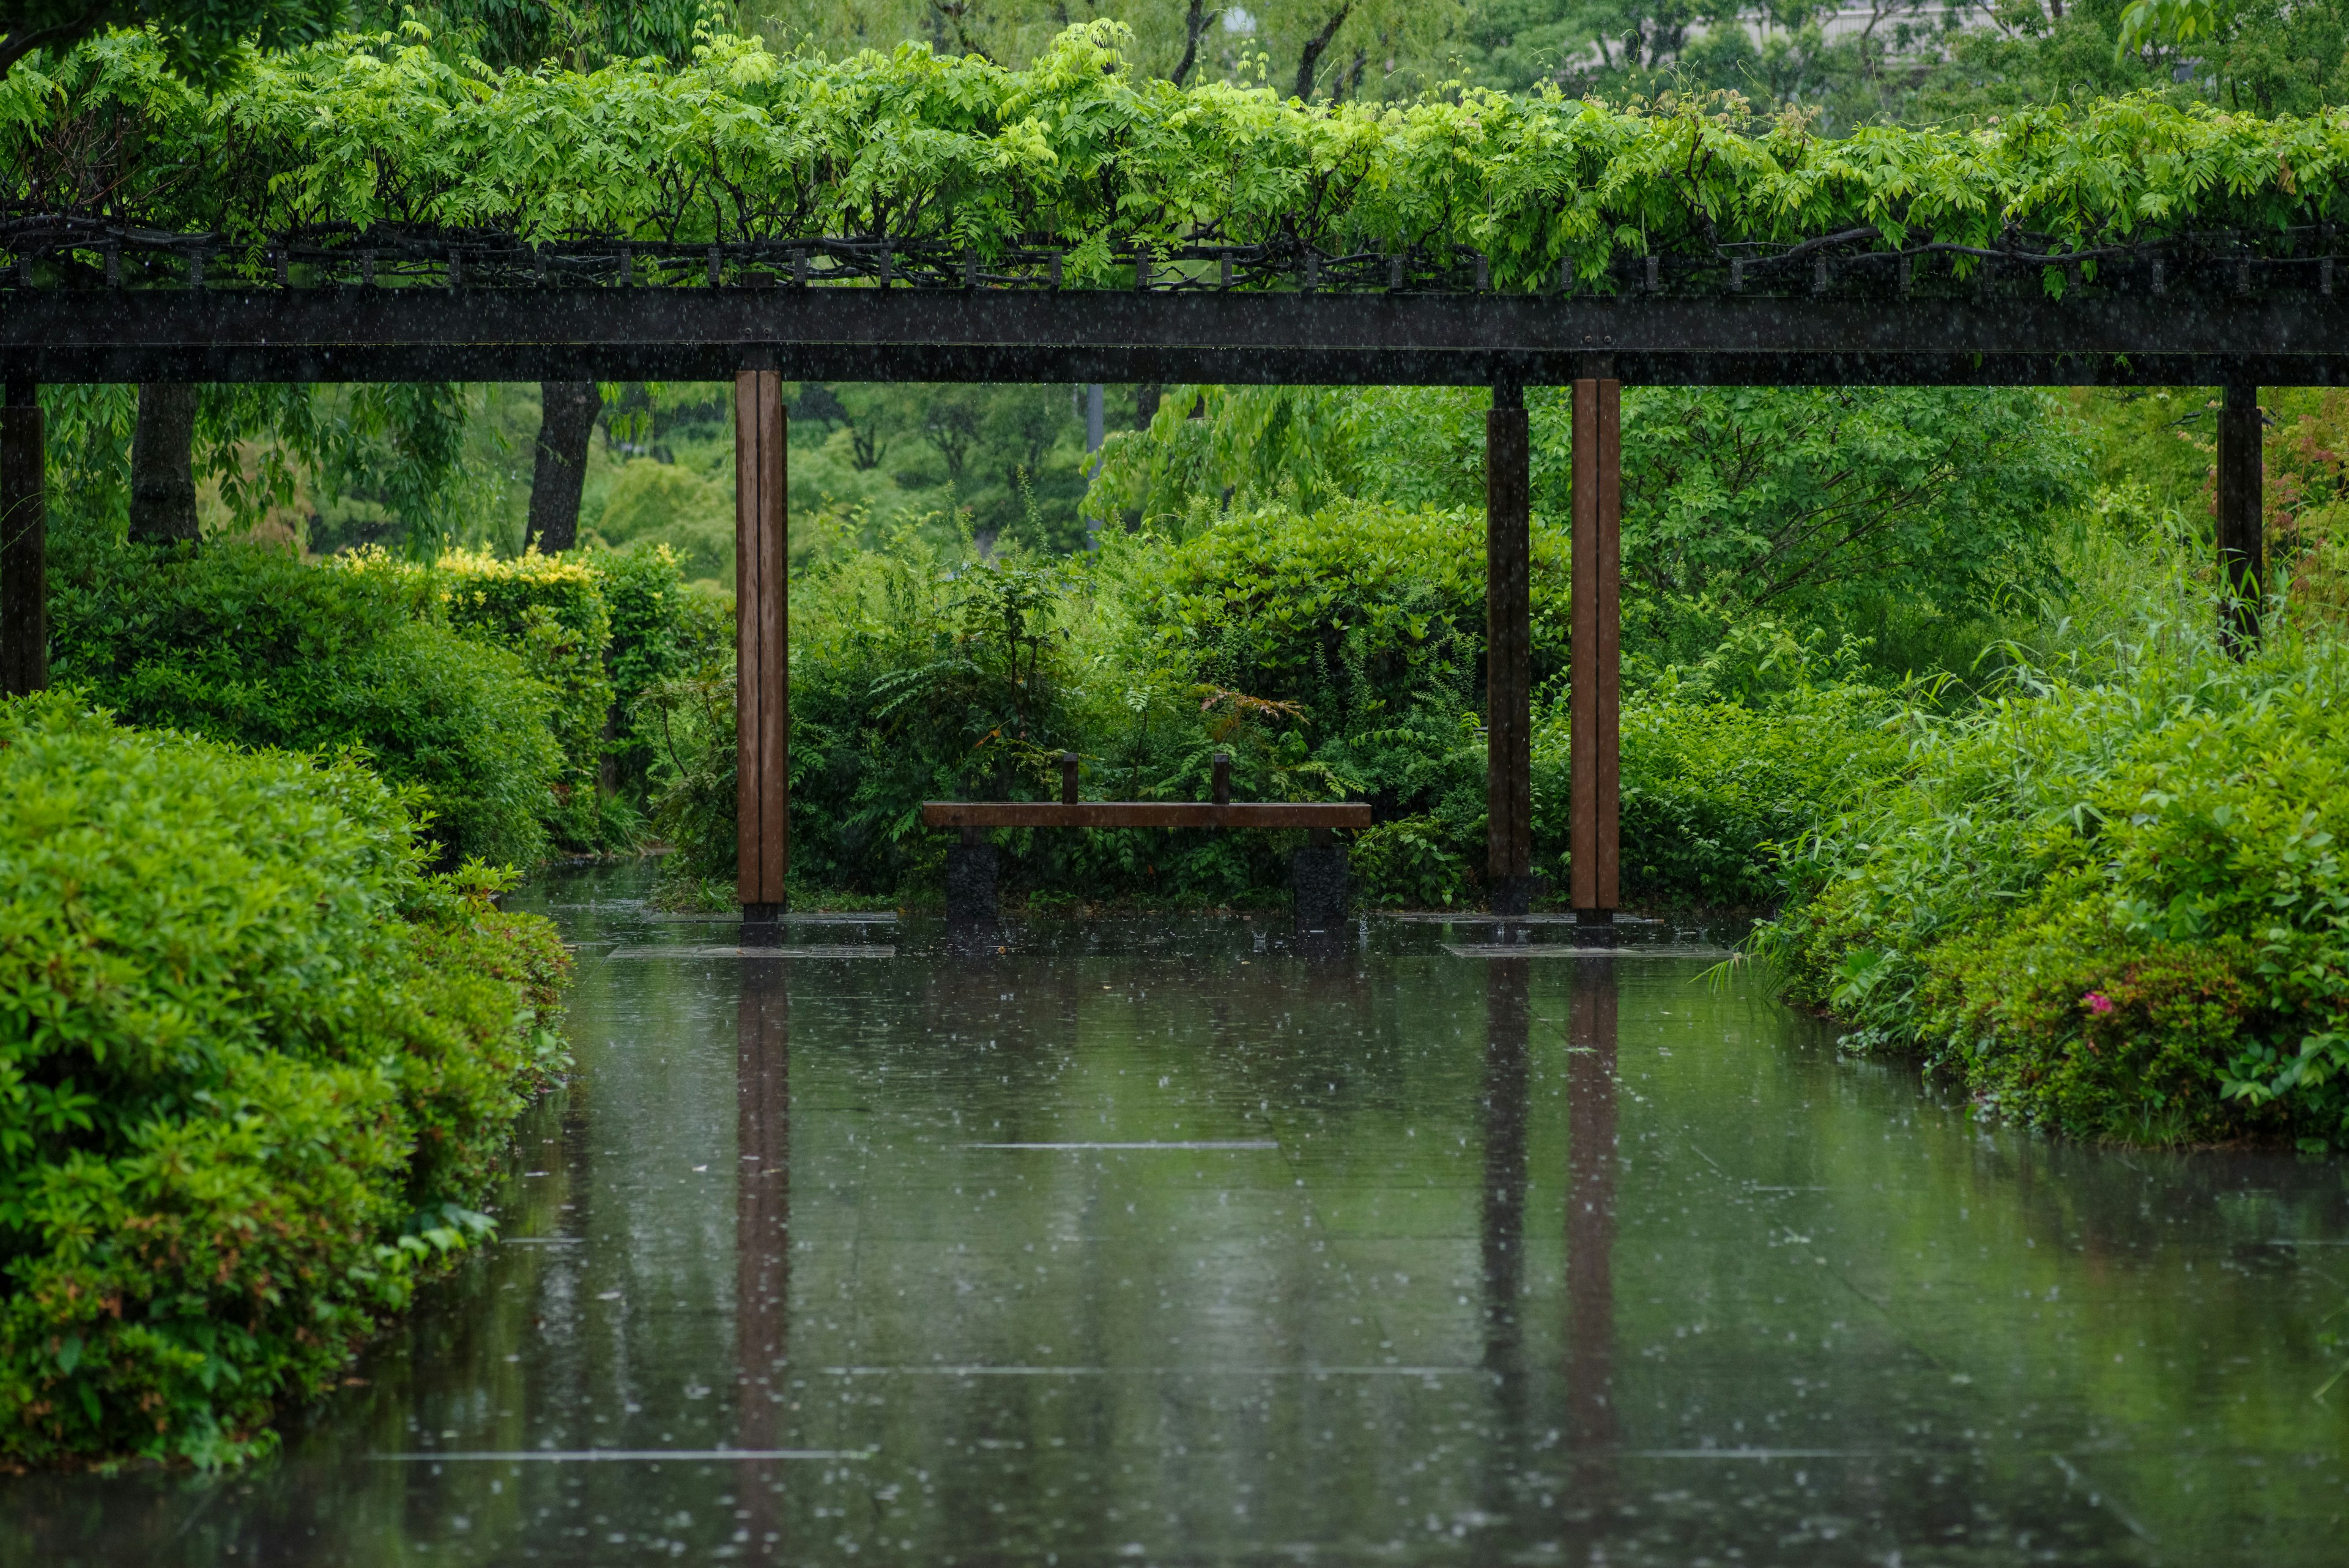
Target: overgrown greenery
2110 899
1331 654
256 1064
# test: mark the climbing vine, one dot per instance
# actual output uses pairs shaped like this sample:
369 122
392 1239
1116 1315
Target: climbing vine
386 140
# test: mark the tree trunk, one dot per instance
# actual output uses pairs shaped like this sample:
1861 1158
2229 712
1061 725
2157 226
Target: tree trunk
1310 64
566 421
1194 26
163 464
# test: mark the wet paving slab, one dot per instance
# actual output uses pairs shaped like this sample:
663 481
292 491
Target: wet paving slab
1187 1241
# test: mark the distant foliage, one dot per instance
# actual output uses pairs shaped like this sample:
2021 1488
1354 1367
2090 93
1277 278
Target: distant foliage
256 1067
1854 505
2113 904
1080 151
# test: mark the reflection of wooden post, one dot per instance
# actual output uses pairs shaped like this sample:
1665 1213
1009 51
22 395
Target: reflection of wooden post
1591 1206
763 1238
1508 652
23 545
2242 550
1594 697
1507 1027
762 626
1509 1020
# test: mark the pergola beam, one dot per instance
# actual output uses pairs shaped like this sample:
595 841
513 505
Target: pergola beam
908 335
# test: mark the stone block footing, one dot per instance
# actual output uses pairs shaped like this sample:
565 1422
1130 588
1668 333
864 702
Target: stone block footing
1317 878
970 887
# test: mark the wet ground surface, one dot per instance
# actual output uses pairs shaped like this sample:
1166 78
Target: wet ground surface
1165 1243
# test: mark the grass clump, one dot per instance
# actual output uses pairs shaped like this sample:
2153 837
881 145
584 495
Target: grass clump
255 1066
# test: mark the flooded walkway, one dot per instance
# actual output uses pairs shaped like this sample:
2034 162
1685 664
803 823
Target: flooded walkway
1159 1242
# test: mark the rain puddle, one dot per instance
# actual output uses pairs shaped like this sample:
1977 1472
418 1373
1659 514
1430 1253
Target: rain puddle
1163 1241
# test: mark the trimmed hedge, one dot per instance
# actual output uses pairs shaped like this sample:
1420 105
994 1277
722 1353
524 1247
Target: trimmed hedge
254 1064
594 629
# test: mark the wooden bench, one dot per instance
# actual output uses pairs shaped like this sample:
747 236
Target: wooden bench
1317 872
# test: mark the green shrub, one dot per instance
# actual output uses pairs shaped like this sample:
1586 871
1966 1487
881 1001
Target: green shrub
248 645
550 611
661 630
2117 906
254 1064
1354 611
596 629
1712 787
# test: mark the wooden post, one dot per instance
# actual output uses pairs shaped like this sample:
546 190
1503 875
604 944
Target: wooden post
761 627
1508 652
24 545
1596 696
2242 549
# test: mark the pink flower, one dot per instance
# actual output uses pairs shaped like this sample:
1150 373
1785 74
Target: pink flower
2097 1002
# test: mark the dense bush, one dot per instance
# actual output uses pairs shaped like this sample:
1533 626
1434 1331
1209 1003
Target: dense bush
661 629
248 645
550 611
254 1064
2113 904
594 629
1713 789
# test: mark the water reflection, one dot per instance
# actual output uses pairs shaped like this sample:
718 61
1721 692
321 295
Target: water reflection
762 1244
1176 1245
1591 1159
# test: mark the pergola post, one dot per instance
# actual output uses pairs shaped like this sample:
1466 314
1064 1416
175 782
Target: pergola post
1595 695
1508 652
23 543
762 628
2242 548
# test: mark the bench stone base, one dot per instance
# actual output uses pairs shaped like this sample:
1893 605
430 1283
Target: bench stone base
1318 883
971 887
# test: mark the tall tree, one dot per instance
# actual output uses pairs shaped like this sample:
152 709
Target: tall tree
567 415
202 37
1308 62
1200 19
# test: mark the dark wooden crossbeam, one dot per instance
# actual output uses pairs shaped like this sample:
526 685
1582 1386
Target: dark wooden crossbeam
977 813
2288 337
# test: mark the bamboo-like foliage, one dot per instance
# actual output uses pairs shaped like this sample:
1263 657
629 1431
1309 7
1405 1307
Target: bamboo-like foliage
1078 152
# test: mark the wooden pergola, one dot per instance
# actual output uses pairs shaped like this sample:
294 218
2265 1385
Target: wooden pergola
757 331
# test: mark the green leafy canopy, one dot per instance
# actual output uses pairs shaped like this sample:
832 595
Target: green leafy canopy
1076 149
